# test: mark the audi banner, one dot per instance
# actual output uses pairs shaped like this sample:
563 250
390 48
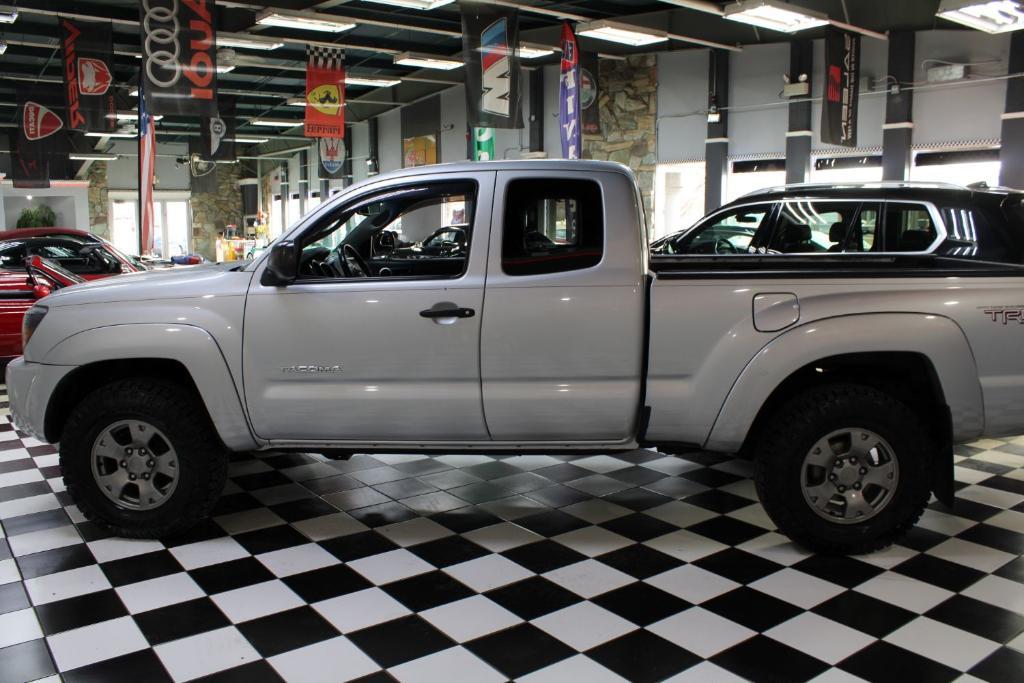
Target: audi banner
569 95
325 92
88 57
218 133
590 93
842 87
41 144
490 40
179 57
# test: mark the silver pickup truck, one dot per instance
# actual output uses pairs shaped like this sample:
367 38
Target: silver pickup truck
513 307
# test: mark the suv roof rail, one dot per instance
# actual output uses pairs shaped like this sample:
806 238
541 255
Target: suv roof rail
881 185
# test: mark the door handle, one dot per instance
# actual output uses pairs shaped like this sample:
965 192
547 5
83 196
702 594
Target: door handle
448 312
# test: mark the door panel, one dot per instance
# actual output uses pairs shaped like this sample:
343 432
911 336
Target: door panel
354 359
561 351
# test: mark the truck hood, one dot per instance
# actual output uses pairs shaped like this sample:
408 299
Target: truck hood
221 279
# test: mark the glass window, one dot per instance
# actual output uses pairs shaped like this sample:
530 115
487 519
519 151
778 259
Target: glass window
678 197
809 227
402 233
908 227
12 255
124 232
731 232
552 226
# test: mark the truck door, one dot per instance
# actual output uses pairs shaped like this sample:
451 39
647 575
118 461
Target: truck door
563 331
360 348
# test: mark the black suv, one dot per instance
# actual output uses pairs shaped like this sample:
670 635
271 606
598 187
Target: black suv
898 218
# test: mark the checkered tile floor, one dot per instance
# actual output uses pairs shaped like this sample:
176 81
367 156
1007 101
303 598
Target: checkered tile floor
534 568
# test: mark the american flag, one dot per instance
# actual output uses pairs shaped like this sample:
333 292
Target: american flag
147 163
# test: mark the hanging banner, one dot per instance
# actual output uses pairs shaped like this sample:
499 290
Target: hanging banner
325 92
218 133
569 95
41 145
202 172
490 40
88 57
483 144
179 57
332 155
590 93
842 87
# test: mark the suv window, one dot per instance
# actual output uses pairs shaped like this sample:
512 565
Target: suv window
551 226
399 233
809 227
731 232
908 227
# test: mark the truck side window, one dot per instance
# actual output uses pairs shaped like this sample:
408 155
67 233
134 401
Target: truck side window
551 226
908 227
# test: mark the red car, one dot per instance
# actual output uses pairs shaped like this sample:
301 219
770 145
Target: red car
19 290
77 251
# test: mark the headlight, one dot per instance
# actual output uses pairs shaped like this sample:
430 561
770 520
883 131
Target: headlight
33 317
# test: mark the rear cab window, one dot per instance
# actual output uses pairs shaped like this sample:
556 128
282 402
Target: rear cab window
552 225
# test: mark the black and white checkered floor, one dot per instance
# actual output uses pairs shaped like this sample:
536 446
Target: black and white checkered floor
534 568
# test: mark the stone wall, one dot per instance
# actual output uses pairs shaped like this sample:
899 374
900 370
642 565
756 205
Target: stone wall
99 205
212 211
629 110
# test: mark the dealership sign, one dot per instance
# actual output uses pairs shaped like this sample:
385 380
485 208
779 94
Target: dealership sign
569 95
87 51
179 57
490 34
41 145
332 158
325 93
842 88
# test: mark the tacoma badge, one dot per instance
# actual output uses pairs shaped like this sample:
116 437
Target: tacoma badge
312 368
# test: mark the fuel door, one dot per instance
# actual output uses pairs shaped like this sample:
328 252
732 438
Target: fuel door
774 312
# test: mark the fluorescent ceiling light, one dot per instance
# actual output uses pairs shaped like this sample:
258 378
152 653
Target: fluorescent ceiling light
250 141
8 15
309 21
775 15
625 34
134 116
118 134
998 16
276 123
423 61
415 4
247 42
3 46
134 92
91 156
225 68
534 51
371 82
300 102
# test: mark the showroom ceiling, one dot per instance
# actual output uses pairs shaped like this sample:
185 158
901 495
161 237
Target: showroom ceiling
264 79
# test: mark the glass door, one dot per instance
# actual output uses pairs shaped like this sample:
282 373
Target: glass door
124 230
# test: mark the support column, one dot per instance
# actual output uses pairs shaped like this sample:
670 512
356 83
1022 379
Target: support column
303 185
898 129
373 153
716 145
1011 152
536 114
798 138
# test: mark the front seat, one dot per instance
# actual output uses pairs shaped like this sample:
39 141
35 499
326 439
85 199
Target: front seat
837 234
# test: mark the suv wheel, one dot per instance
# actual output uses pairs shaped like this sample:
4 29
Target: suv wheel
844 468
140 458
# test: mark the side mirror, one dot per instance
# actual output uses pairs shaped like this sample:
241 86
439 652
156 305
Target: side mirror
282 265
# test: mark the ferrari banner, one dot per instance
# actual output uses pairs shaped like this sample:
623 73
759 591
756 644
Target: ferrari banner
325 92
842 87
218 133
569 95
88 57
490 39
590 94
41 145
179 57
332 155
483 144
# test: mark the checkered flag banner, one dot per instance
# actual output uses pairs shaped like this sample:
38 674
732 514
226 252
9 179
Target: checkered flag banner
325 92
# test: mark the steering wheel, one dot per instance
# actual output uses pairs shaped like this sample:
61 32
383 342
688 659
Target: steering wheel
353 262
724 246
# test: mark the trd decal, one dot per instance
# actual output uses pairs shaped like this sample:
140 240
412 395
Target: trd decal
1005 315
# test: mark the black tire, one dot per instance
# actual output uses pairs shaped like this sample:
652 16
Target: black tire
177 413
790 434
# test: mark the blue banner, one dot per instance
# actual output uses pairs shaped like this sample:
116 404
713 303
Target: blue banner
569 95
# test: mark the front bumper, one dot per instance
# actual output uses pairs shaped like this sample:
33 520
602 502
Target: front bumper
29 388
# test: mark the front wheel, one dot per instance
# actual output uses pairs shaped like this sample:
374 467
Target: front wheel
140 458
844 468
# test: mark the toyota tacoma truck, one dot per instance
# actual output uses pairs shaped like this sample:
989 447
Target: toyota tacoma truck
846 377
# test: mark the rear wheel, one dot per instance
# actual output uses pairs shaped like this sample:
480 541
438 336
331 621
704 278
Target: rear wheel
844 468
140 457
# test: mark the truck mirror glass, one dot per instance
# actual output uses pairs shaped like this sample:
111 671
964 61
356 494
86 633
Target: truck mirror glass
282 265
